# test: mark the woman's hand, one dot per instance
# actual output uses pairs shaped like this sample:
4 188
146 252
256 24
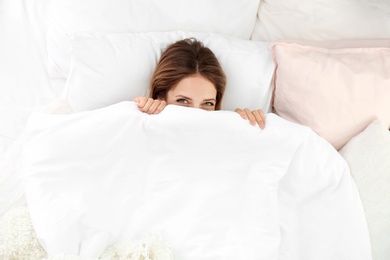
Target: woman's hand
255 116
150 105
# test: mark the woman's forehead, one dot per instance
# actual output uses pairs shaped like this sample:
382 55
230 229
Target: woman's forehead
195 85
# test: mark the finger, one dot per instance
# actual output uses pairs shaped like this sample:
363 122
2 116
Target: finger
262 116
141 101
259 118
250 116
148 104
161 107
154 106
241 113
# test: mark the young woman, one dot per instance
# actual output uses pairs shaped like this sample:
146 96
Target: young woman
188 74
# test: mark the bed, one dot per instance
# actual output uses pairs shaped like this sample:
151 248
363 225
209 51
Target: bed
85 175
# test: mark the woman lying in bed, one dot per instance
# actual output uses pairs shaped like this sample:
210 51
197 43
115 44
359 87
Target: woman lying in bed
188 74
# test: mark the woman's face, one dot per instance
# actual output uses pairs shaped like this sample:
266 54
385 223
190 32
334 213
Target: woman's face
193 91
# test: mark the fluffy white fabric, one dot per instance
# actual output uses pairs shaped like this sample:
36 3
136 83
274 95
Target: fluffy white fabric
213 186
17 236
18 241
368 156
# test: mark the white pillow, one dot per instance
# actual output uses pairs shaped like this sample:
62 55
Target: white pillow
109 68
322 20
236 18
368 156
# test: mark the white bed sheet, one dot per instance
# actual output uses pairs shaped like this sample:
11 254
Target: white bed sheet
24 83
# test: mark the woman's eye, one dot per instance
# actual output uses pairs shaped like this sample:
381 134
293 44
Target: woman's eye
209 104
182 100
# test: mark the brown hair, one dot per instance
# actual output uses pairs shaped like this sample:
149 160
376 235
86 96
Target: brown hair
182 59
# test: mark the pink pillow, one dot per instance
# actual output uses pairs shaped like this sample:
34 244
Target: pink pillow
337 92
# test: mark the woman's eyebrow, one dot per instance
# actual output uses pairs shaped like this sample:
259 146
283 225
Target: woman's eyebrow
182 96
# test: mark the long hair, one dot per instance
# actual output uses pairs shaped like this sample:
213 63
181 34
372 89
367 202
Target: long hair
183 59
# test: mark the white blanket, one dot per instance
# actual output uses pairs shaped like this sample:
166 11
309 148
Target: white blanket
208 183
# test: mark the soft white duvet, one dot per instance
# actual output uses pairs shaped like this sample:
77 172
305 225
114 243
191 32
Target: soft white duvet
208 183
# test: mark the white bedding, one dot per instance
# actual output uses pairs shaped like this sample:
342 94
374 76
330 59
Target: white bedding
25 87
24 82
210 184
